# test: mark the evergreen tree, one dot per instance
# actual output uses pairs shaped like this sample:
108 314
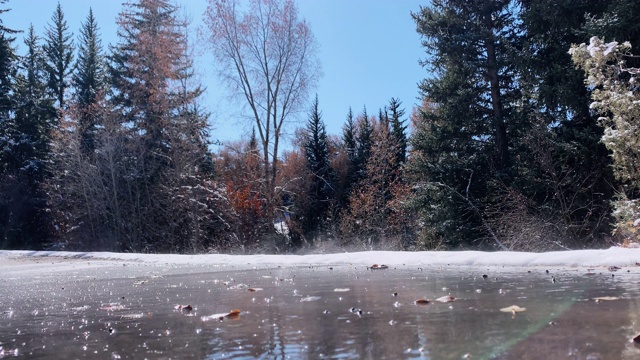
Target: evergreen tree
8 181
349 136
35 114
560 146
368 217
58 50
143 66
363 146
29 153
349 152
383 116
322 182
464 147
89 81
155 95
8 70
398 129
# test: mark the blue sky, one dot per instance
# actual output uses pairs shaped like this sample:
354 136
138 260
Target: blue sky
369 52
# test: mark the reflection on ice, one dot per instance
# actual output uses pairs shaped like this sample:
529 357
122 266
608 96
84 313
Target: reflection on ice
312 312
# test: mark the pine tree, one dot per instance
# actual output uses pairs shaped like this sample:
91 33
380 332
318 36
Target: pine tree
322 182
464 146
35 114
155 95
89 81
8 70
375 214
8 180
363 144
398 129
348 150
28 222
58 50
349 136
143 67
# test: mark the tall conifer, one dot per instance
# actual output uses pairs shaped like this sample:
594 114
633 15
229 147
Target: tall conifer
89 80
58 51
322 181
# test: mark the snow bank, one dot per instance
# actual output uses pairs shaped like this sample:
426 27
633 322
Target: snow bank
583 258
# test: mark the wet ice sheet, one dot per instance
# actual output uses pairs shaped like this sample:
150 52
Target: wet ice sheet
346 311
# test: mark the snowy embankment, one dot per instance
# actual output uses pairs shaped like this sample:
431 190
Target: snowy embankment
614 256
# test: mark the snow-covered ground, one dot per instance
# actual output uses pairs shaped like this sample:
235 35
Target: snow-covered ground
614 256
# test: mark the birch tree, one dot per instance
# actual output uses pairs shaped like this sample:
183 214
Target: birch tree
266 55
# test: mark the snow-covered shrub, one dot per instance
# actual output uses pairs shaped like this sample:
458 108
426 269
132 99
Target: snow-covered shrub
616 98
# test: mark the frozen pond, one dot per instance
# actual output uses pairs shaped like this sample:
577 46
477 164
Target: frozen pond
127 310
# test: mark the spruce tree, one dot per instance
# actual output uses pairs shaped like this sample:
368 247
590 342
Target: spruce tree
463 146
8 180
363 145
563 167
349 136
58 50
149 58
398 130
318 161
89 80
8 70
23 181
349 151
35 113
156 97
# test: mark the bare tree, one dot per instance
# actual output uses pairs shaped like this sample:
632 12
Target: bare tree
267 56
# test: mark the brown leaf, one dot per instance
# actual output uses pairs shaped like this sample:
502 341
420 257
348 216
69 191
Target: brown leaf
378 267
446 299
234 314
422 301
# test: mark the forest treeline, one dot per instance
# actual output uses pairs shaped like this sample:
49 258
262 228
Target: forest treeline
527 136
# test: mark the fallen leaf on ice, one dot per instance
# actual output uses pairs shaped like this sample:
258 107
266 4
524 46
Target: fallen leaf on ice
422 301
341 289
234 314
513 309
378 267
605 298
446 299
